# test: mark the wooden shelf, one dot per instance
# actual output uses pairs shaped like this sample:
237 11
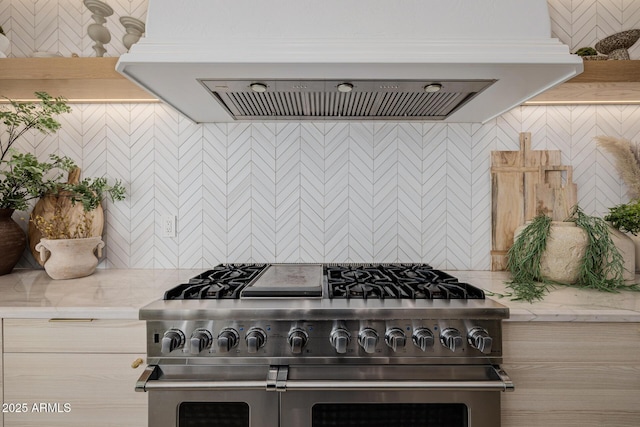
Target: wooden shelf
80 80
602 82
95 80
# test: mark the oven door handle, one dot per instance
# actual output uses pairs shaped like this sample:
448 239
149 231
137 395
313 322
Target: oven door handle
276 381
501 383
149 380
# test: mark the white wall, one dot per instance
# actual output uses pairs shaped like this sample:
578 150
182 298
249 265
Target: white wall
332 192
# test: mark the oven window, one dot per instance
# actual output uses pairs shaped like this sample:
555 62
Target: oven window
389 415
213 414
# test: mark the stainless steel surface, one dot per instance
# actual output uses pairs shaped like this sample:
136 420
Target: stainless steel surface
289 280
451 339
368 339
330 342
295 390
395 338
201 339
422 338
322 309
479 338
478 378
282 355
172 339
366 99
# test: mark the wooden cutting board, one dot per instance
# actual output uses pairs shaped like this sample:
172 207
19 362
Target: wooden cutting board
555 199
514 177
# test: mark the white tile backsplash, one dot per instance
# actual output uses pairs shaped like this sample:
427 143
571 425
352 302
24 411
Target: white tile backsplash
312 192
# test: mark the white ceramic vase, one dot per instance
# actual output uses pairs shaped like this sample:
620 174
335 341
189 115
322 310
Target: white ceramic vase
70 258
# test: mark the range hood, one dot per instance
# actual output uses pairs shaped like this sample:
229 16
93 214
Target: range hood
394 60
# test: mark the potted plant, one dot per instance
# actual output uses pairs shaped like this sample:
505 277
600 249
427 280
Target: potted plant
22 176
627 159
62 230
626 218
67 251
580 251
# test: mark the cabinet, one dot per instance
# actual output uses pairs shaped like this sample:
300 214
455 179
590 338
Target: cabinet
73 373
572 374
86 80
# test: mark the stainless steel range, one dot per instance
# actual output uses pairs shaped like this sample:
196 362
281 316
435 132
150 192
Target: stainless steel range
313 345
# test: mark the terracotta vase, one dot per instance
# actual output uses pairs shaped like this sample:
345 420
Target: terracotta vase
12 241
70 258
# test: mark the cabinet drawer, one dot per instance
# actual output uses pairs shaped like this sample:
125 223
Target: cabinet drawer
74 336
73 390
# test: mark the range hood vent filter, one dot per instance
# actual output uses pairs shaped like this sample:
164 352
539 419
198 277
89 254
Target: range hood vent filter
313 100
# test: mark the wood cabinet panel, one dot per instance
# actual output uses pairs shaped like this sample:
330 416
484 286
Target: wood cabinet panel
572 374
96 80
575 342
74 336
81 390
77 79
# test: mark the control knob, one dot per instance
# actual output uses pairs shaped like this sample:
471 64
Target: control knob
451 339
256 338
227 339
395 338
200 340
297 340
423 338
479 338
340 339
368 339
171 340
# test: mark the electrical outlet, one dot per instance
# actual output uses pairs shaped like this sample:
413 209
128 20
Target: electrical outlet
169 226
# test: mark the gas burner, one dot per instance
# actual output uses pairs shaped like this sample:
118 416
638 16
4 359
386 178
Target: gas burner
395 281
224 281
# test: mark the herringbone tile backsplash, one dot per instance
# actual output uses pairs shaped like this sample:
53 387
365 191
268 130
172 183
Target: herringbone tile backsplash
312 192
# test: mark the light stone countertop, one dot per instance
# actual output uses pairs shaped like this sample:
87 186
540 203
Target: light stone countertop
119 293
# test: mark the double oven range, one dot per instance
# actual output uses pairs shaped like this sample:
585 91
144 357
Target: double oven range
319 345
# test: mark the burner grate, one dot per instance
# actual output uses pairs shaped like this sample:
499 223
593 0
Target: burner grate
395 281
224 281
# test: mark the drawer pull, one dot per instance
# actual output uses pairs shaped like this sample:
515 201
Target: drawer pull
136 363
69 319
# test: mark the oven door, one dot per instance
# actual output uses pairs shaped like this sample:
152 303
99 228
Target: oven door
196 396
392 396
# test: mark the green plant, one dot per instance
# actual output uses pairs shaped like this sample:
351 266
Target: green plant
586 51
24 179
523 260
625 217
20 117
89 191
601 267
